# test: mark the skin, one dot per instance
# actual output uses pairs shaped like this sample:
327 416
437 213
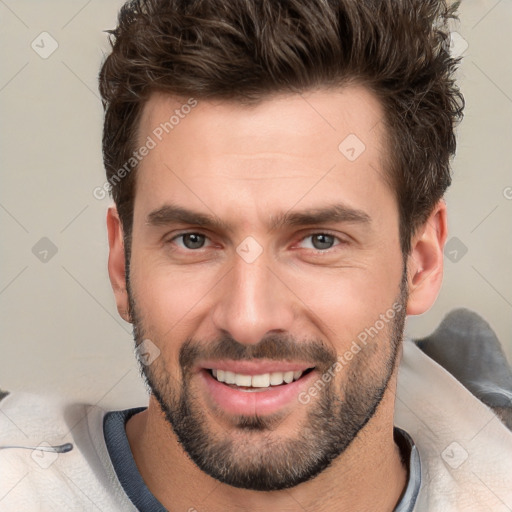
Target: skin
245 165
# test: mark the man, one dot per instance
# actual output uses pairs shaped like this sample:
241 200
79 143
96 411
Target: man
278 171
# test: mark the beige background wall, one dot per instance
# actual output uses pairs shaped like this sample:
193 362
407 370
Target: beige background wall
59 329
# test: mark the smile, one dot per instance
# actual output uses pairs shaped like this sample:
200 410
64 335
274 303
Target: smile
259 382
254 388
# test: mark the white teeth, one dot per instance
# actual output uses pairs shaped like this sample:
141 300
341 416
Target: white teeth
288 377
229 377
263 380
276 378
242 380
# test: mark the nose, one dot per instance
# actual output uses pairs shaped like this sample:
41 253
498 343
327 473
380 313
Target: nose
253 302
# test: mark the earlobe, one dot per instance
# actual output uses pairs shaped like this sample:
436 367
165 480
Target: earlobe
425 262
116 262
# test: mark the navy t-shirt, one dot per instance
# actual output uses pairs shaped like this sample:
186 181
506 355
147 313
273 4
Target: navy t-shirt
124 464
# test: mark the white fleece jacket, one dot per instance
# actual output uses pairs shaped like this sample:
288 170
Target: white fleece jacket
465 450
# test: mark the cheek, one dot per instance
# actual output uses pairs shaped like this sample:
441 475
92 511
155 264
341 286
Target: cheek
343 303
169 300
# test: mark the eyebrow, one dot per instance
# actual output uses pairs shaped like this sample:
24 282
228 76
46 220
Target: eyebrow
331 214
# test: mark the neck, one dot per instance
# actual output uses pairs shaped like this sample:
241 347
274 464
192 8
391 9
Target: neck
370 471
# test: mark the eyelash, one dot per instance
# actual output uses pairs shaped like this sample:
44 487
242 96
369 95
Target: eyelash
317 251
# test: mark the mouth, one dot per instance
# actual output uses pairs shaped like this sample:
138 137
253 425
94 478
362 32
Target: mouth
257 383
247 388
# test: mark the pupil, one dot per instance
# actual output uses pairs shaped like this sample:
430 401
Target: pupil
193 240
196 241
325 241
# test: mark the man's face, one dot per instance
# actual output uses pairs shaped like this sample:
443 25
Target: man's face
301 266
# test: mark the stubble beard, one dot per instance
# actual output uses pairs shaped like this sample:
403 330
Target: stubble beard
253 454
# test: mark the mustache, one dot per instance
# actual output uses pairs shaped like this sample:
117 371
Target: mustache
274 347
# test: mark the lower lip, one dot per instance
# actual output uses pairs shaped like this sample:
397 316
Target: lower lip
249 403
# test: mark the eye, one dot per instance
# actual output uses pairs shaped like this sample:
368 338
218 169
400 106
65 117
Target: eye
320 241
191 241
315 241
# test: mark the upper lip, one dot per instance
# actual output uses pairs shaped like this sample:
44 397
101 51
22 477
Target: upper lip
255 367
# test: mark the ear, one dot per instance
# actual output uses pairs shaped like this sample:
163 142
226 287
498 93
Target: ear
425 262
116 262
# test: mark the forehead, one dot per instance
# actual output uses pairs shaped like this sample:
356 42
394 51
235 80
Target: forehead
310 147
351 109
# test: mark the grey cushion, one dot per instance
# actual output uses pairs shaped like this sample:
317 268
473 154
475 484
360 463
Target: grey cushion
466 346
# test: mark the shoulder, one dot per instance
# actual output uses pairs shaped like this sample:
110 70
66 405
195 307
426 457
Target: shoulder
81 478
465 449
468 348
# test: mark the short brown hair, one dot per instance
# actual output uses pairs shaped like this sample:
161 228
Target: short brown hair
247 50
